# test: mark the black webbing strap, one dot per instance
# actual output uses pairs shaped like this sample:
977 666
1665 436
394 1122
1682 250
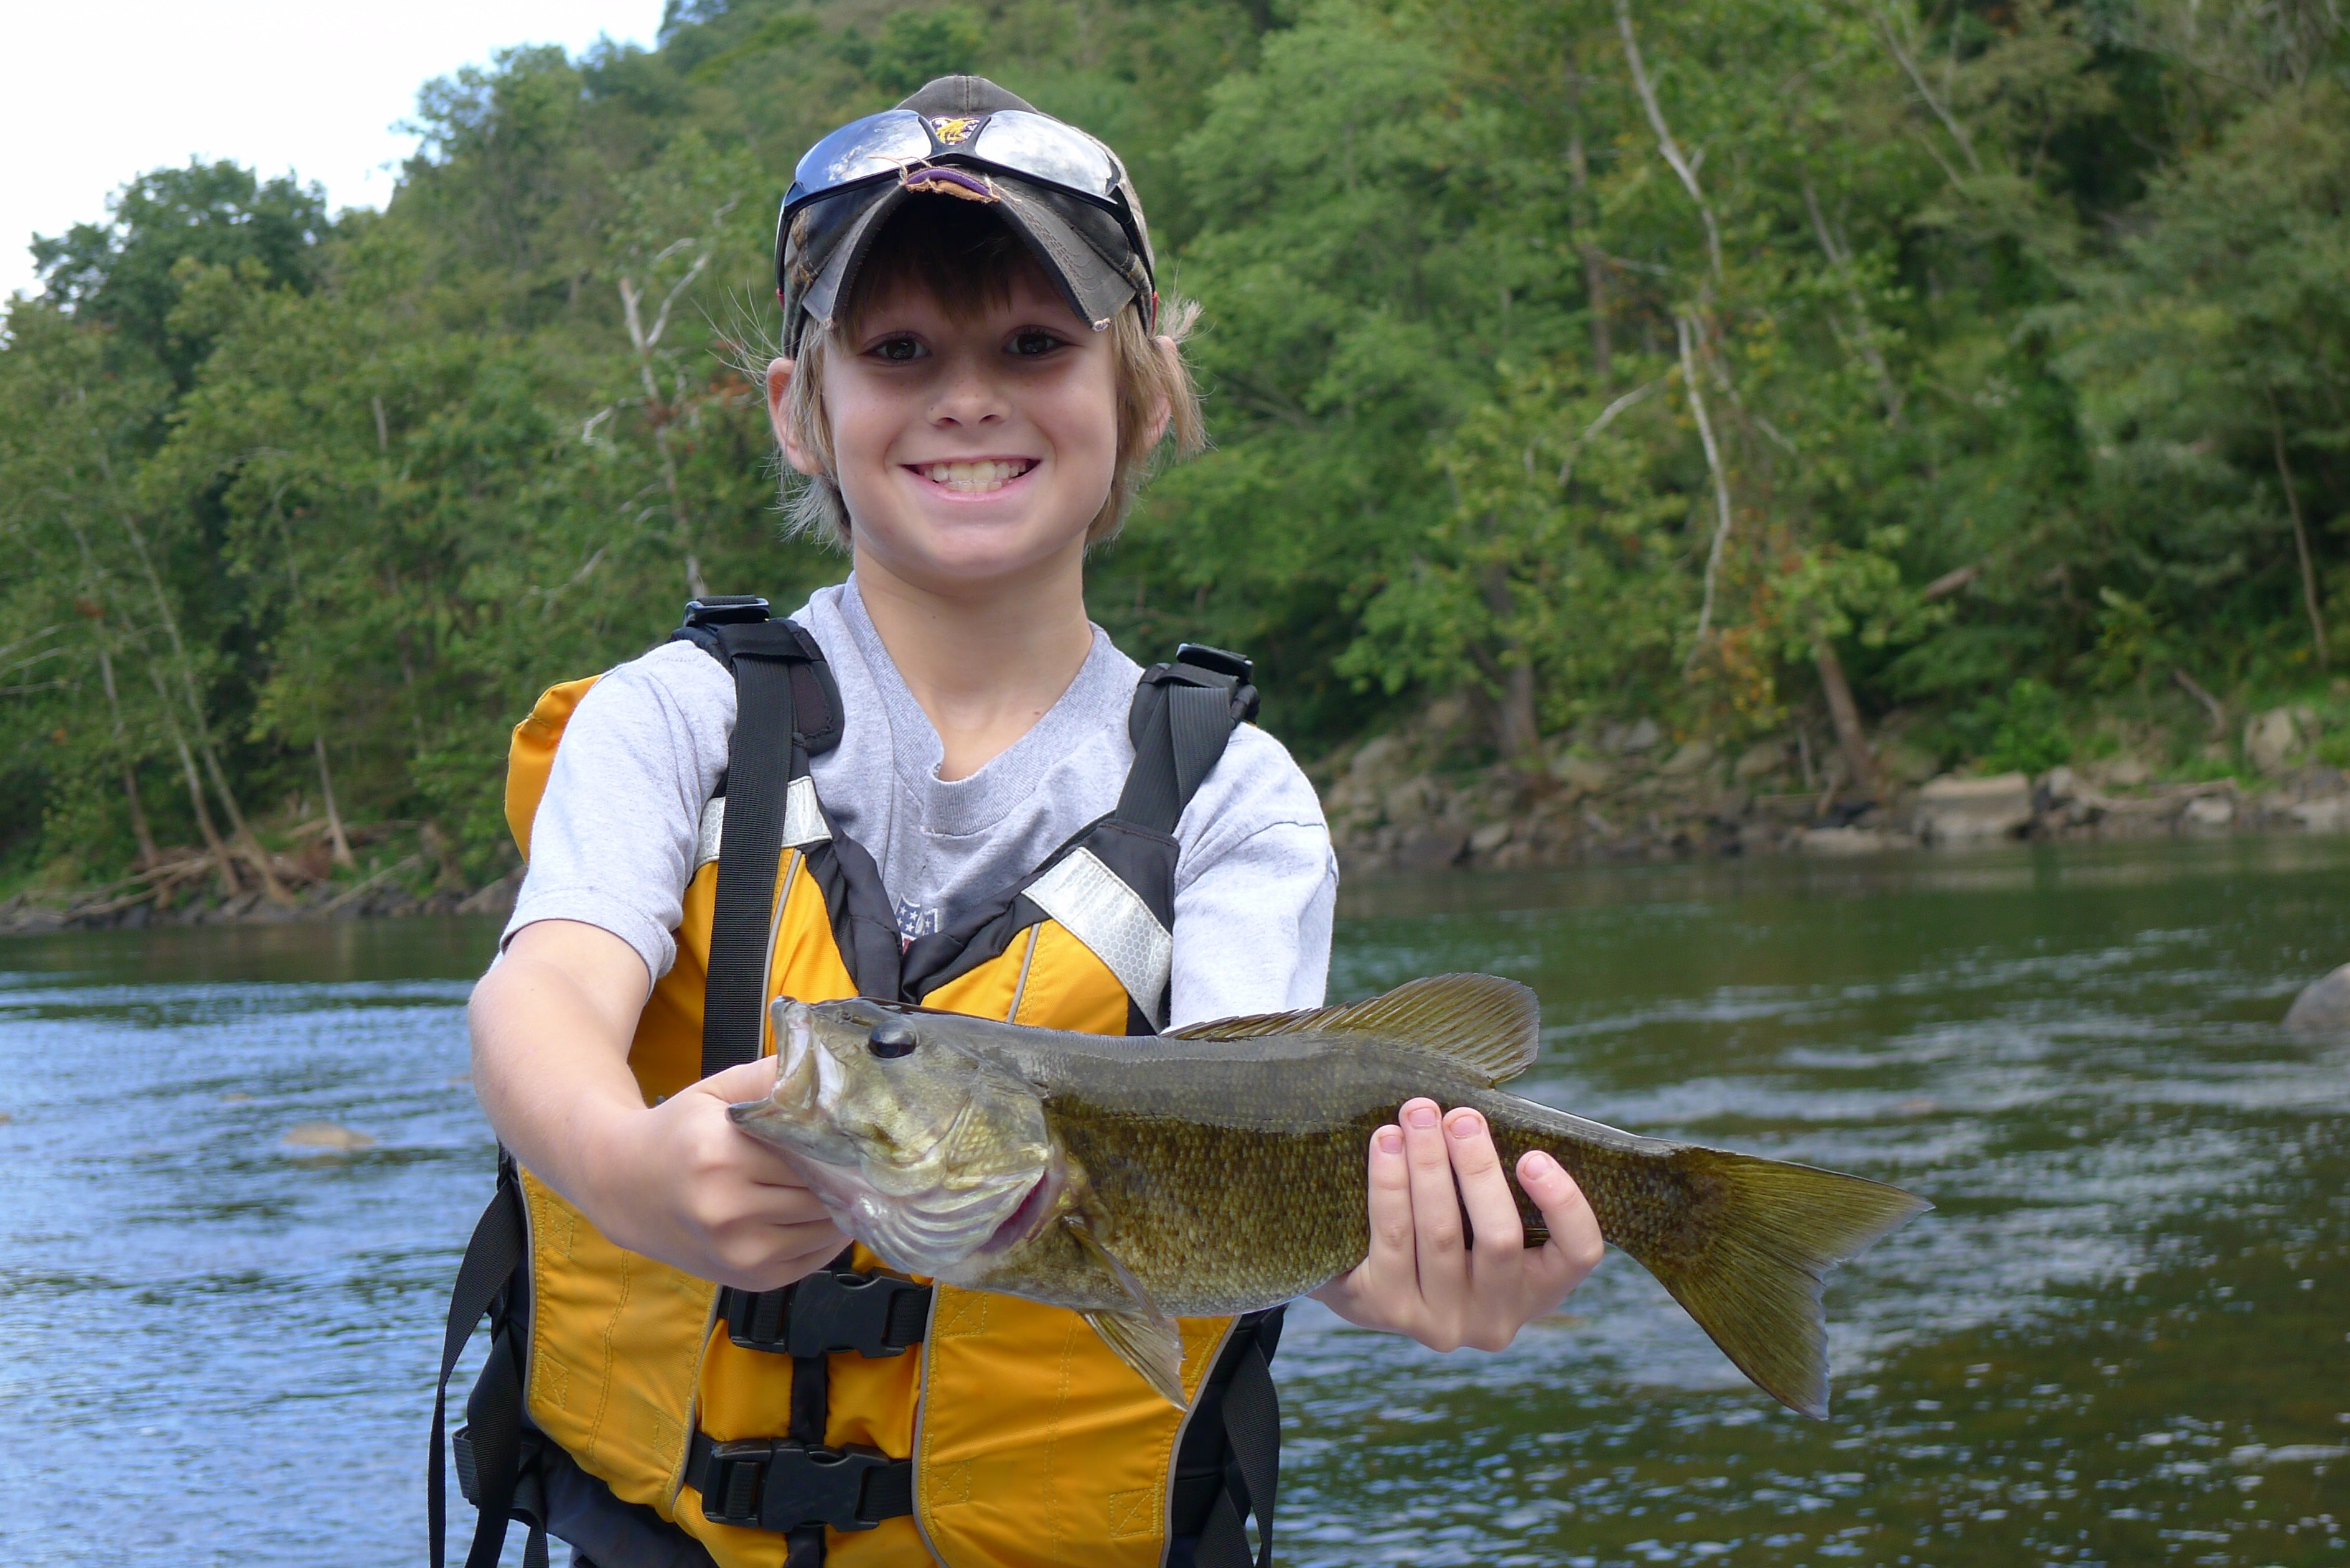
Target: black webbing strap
1252 1417
796 1488
758 778
493 1413
1183 714
832 1312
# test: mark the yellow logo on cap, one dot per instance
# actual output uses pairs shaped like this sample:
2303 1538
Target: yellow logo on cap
953 132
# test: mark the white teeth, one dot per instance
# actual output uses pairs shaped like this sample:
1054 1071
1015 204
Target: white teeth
976 478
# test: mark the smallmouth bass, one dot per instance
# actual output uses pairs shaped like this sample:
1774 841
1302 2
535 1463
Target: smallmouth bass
1221 1169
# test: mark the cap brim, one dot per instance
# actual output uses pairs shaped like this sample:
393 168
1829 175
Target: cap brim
1093 286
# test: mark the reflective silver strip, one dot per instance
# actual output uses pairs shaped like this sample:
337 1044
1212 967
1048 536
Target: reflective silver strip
1100 910
803 822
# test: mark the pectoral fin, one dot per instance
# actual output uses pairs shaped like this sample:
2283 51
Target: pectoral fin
1150 1345
1145 1338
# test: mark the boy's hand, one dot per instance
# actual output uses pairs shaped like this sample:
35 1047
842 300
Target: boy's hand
678 1182
1420 1279
687 1186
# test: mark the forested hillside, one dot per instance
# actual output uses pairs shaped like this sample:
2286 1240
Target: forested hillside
1971 373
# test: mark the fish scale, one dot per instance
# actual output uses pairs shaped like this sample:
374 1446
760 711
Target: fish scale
1222 1168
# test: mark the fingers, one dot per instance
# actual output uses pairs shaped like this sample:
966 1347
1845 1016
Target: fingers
1439 1243
1383 1290
1390 1256
1501 1236
1575 1245
1491 1314
754 1080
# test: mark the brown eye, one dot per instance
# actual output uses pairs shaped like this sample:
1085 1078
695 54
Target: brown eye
891 1037
897 351
1035 341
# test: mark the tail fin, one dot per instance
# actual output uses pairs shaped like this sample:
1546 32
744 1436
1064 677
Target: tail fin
1760 1237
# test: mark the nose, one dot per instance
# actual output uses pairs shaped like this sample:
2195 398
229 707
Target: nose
969 396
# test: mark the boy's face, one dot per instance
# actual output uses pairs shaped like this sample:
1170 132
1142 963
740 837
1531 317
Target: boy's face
973 452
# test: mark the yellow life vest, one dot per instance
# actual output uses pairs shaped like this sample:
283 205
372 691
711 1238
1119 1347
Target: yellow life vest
858 1418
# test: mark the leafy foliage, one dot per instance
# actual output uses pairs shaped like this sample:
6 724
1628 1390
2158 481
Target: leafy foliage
1687 359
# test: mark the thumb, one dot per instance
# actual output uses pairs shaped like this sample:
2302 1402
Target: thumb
745 1081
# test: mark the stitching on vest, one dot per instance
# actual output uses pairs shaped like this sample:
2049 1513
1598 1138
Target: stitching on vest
950 1484
969 1315
1055 1528
611 1333
1132 1513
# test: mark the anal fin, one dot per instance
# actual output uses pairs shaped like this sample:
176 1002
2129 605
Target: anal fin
1144 1338
1150 1345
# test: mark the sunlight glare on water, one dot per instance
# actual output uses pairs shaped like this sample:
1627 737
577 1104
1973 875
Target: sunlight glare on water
2117 1340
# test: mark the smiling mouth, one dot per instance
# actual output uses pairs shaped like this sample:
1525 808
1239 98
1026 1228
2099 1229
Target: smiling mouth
975 478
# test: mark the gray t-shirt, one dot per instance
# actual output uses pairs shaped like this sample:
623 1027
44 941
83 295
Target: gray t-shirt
613 843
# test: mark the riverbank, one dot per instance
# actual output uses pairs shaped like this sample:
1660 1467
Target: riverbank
1630 790
1619 791
379 894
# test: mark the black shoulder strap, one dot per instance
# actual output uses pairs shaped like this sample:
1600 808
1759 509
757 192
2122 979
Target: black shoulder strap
763 756
1184 715
498 1250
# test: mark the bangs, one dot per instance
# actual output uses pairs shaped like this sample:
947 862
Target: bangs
961 253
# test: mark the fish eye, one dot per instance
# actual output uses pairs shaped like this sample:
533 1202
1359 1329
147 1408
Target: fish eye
891 1037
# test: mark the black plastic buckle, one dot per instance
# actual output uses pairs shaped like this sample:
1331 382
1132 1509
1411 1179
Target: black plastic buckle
727 609
1236 672
764 1484
461 1446
828 1312
1199 656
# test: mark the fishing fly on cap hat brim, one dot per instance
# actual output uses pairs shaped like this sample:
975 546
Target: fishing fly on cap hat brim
1064 193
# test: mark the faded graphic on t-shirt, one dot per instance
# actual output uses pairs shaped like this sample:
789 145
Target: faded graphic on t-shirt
916 920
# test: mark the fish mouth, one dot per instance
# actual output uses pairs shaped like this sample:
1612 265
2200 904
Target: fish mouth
808 1081
1030 1216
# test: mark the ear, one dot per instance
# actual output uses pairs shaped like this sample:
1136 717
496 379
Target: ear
779 383
1162 412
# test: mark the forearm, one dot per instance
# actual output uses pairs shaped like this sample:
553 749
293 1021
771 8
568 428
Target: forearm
678 1182
550 1065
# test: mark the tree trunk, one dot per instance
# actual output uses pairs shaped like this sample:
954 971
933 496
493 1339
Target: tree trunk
246 843
149 856
1516 731
2299 539
230 886
334 818
1594 270
1852 741
140 832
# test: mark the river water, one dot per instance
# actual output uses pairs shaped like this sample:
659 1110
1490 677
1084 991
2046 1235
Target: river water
2120 1338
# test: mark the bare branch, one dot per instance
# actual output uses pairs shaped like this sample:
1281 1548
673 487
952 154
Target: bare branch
1665 142
1864 337
2194 688
1948 582
1917 80
1682 328
1606 417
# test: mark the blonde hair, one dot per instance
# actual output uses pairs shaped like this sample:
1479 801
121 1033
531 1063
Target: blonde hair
968 261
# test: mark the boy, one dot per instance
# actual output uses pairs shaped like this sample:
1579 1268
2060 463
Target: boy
941 785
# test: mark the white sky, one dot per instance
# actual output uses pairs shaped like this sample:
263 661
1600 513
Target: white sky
97 91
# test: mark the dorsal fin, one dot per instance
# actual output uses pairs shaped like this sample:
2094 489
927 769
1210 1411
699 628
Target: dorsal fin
1490 1026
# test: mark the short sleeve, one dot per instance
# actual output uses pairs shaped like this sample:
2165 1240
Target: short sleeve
1256 888
612 844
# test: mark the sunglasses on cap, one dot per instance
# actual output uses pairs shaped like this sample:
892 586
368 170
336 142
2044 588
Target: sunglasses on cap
915 148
